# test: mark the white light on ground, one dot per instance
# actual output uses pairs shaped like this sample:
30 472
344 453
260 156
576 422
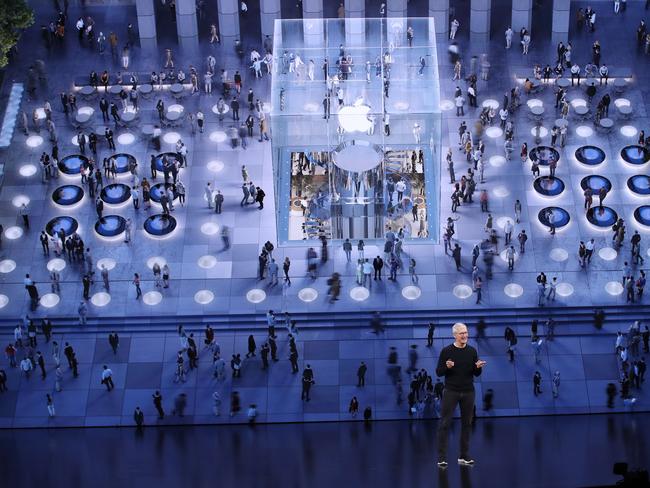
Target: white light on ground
311 107
490 102
175 108
543 132
494 132
501 191
534 102
578 102
152 298
56 264
86 110
564 289
209 228
35 141
126 139
203 297
648 251
501 221
27 170
108 262
4 300
622 102
100 299
504 257
614 288
172 137
354 118
462 291
359 293
497 161
628 131
215 166
402 106
446 105
7 266
14 232
18 200
513 290
584 131
207 262
218 136
411 292
607 253
50 300
558 254
156 259
256 295
308 294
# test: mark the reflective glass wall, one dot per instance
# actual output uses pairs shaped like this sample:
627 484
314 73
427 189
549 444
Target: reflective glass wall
355 125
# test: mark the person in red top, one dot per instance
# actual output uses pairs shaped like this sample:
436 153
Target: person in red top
10 351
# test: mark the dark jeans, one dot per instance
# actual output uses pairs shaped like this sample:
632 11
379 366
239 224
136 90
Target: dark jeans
449 401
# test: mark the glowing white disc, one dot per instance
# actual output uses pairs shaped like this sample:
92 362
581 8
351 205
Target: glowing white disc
513 290
411 292
152 298
203 297
308 294
207 262
359 293
463 291
7 266
100 299
56 264
50 300
256 295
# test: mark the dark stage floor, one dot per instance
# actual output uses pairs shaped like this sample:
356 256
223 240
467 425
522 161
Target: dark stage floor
566 451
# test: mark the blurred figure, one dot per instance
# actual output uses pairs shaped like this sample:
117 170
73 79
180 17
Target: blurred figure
376 324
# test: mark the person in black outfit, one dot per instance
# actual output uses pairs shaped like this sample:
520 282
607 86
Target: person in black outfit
458 363
103 106
307 382
377 264
157 402
430 331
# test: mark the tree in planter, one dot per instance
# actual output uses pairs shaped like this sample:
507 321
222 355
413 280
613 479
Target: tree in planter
14 16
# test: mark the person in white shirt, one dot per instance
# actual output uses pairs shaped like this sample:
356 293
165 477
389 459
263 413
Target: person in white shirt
107 378
417 130
453 29
604 73
26 367
508 37
590 250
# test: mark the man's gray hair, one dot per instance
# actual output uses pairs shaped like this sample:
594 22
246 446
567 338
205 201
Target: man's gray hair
457 327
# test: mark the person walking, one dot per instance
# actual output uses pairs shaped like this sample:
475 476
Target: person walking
361 374
114 341
458 363
555 384
107 378
430 331
456 255
157 403
136 283
307 382
50 405
537 381
138 418
82 311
